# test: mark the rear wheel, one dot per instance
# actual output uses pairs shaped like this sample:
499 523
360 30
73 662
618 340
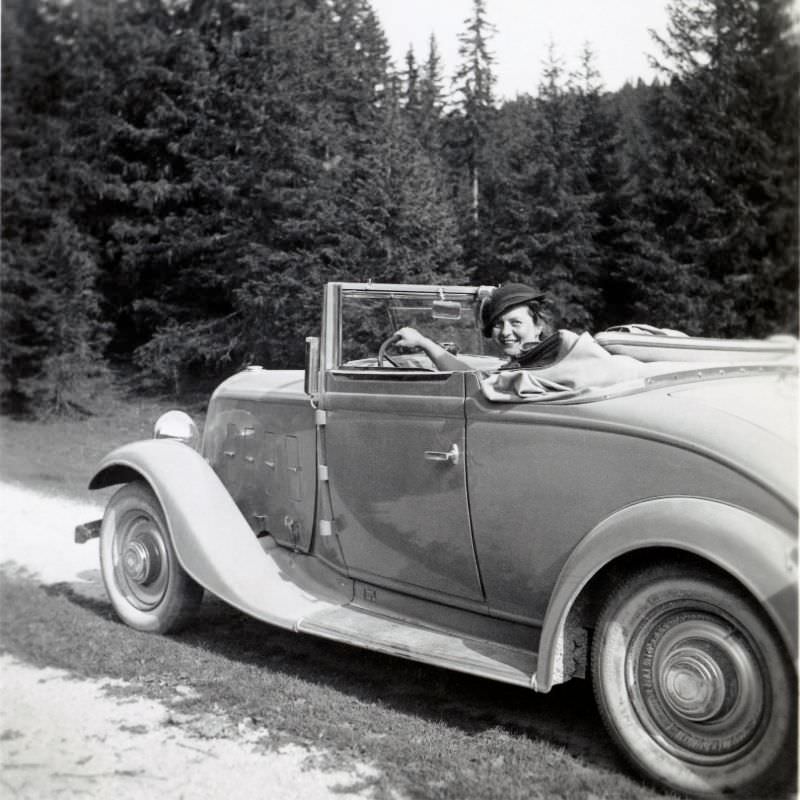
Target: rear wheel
147 586
694 684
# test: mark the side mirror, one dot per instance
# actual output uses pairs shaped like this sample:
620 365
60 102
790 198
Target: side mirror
312 366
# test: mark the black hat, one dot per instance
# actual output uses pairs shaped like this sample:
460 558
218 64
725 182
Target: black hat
503 298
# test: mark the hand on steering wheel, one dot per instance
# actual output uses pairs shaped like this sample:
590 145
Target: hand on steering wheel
385 345
412 339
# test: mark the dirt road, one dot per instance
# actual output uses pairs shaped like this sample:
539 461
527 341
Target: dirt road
68 738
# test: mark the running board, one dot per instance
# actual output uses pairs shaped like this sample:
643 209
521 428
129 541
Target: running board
411 640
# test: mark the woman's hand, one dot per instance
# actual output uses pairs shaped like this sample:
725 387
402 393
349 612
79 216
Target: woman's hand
411 338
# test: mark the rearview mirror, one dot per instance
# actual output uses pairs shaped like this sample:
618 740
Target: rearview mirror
446 309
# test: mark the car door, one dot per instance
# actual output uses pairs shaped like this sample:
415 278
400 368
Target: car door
395 445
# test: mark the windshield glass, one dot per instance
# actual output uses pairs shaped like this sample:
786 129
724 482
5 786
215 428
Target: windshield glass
368 318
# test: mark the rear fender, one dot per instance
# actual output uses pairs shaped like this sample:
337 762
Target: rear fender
212 539
757 553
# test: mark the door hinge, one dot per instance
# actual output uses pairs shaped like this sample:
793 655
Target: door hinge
320 417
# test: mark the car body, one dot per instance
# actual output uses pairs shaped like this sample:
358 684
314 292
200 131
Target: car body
642 531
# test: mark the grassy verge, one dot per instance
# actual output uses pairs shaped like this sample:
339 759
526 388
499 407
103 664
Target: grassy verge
429 732
58 456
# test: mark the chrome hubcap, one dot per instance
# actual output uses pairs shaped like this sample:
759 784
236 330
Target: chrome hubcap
693 683
697 684
141 563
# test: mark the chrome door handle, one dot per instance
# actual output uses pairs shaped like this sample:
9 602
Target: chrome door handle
436 455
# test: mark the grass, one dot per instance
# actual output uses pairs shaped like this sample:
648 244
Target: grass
57 456
430 733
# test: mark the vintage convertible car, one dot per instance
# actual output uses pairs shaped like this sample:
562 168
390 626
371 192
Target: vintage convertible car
639 530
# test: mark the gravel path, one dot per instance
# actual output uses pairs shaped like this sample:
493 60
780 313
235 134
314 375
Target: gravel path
69 738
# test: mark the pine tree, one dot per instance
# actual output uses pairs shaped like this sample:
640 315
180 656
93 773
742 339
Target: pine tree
628 263
327 184
728 125
52 329
544 219
411 81
432 102
641 280
473 85
255 157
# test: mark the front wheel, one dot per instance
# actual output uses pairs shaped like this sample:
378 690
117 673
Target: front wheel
694 684
148 588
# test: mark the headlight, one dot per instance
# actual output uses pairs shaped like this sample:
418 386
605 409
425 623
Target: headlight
177 425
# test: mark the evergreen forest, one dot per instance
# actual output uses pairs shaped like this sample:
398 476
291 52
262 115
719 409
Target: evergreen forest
181 177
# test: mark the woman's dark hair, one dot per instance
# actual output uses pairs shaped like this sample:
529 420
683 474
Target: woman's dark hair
541 316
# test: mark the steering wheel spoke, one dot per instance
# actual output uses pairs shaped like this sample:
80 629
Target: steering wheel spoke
383 356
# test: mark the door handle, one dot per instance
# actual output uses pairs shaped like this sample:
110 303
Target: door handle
451 455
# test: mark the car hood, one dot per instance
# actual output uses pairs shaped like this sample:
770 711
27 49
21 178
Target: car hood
256 383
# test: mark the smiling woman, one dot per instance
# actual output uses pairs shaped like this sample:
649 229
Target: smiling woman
515 318
515 329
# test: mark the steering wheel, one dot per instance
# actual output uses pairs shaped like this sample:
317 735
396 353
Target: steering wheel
382 355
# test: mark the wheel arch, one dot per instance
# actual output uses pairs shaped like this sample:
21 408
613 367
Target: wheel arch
115 474
186 487
212 540
760 556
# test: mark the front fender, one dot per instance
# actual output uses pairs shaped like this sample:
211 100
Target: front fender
759 554
212 539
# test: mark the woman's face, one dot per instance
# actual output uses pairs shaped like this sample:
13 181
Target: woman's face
514 329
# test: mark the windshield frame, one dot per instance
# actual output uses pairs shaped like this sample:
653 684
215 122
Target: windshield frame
403 303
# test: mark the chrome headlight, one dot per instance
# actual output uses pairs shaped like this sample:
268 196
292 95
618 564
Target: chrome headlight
177 425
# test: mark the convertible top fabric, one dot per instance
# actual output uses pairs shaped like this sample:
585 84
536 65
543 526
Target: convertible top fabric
580 371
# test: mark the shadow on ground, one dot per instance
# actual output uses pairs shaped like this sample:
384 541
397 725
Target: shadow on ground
565 717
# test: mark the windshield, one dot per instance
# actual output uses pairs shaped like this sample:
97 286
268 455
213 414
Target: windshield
369 318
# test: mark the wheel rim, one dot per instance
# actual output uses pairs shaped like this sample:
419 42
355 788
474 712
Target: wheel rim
697 683
141 560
